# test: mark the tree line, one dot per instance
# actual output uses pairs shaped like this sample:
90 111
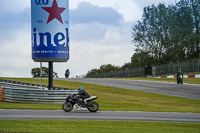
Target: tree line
165 34
45 72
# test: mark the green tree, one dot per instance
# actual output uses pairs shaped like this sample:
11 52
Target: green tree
108 68
127 66
103 69
141 59
195 11
45 72
92 72
152 33
169 33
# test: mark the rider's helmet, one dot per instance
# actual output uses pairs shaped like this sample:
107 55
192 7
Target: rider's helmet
80 88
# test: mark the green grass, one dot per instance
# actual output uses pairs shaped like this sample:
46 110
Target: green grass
65 126
7 105
117 99
185 80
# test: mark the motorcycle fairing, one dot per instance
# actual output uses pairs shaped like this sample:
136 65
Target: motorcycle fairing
91 98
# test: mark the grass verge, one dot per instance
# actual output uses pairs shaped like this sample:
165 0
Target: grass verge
117 99
55 126
185 80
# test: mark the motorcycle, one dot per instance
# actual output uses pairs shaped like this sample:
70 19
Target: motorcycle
179 79
73 101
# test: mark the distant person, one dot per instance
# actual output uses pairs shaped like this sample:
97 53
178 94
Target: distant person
179 77
67 72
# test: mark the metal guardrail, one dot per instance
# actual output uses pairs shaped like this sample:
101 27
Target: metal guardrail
12 85
32 93
16 84
35 96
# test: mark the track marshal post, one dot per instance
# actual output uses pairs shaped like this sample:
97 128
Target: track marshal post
49 32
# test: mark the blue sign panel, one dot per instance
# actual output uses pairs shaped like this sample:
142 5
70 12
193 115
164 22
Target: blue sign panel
49 30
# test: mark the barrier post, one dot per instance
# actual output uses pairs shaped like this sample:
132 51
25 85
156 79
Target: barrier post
2 93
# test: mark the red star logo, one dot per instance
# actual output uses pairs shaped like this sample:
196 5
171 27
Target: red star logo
54 12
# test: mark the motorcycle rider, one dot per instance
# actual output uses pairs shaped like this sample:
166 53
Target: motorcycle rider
83 94
67 72
81 100
179 74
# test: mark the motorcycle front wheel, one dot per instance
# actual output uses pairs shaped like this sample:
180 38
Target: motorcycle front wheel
93 106
67 107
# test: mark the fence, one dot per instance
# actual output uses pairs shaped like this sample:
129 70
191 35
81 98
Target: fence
185 67
159 70
137 72
32 94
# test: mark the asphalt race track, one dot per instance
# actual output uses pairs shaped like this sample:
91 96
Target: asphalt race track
13 114
184 90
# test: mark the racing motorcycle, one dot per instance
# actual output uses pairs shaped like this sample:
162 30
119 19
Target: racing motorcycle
73 101
179 79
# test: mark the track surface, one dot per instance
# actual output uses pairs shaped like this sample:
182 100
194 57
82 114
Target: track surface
101 115
184 90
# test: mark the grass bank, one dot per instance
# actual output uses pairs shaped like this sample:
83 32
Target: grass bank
117 99
54 126
185 80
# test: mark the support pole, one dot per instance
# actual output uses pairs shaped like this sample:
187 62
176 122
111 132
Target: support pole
41 75
50 75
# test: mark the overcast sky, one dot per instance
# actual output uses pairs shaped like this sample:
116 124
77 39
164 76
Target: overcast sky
100 33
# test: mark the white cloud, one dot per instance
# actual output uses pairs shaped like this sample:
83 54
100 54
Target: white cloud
114 48
128 8
15 55
91 31
89 55
13 5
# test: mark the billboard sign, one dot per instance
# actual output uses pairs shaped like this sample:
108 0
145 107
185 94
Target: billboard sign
49 30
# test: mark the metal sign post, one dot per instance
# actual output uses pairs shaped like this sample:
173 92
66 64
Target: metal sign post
49 29
41 75
50 75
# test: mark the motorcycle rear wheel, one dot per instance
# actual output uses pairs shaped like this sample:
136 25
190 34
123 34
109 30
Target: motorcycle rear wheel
93 106
67 107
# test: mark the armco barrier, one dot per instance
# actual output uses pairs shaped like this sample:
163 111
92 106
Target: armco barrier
35 95
15 84
12 91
